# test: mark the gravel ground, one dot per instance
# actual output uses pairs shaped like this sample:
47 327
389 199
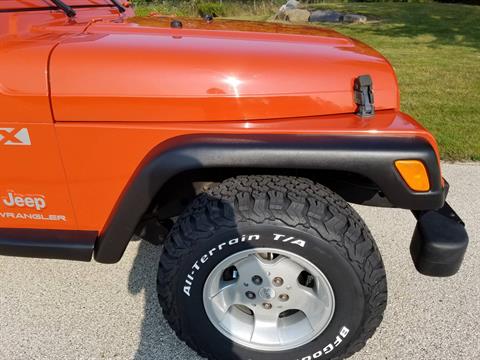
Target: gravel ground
66 310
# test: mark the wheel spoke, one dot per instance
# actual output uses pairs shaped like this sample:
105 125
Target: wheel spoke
289 269
312 305
224 299
265 327
250 266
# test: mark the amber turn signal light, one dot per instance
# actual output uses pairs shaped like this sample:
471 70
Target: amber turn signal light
414 173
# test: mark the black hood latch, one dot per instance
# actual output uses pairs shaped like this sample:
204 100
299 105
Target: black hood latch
363 92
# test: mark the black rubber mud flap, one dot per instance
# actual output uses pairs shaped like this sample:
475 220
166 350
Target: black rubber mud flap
439 242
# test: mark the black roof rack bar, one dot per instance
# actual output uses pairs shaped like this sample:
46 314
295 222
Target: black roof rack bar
118 6
64 7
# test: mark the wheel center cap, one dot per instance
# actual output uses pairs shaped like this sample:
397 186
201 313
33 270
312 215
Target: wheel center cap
267 293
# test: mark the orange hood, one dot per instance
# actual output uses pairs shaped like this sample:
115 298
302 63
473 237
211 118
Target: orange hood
141 69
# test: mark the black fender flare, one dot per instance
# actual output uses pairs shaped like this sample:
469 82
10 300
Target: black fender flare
370 156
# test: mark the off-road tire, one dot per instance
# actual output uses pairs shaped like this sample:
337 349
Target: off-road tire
339 242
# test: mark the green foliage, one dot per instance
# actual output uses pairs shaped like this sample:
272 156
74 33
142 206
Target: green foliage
471 2
228 8
211 8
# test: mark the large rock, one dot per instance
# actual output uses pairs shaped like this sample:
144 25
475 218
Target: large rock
289 6
297 15
325 16
292 4
354 18
281 15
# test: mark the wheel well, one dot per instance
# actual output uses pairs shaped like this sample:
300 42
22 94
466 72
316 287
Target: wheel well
180 190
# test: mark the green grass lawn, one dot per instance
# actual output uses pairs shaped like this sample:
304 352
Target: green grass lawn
435 49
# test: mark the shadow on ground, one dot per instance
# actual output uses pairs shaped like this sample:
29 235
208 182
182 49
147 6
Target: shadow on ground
440 24
155 333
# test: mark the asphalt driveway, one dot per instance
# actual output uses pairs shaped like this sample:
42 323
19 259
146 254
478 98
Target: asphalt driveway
66 310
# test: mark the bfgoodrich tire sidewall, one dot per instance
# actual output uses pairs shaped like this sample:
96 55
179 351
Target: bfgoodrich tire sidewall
339 270
347 288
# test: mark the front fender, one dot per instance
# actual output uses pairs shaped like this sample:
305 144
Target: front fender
370 156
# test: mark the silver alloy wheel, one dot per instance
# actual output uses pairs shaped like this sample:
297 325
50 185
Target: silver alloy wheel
268 299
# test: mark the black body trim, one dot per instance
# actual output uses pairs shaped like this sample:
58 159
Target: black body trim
51 244
370 156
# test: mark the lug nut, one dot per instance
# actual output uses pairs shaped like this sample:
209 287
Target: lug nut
284 297
250 295
278 281
267 306
257 280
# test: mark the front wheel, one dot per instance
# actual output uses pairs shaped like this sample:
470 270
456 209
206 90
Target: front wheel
267 267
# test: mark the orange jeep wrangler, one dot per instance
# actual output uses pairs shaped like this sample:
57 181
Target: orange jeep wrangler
239 143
